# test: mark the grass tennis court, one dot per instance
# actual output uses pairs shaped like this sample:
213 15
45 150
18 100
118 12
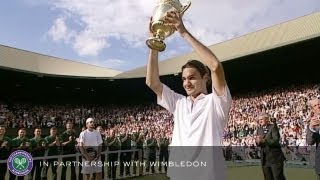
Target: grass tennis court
242 173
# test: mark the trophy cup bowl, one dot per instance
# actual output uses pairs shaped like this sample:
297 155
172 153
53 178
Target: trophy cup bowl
160 29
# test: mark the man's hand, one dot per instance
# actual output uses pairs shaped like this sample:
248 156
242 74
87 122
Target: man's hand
259 139
4 144
57 142
97 158
151 33
174 18
314 123
89 158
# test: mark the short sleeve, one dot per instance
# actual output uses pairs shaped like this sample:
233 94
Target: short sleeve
81 137
169 98
223 103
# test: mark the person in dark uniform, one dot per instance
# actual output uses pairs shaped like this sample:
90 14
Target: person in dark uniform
4 150
68 143
134 136
20 143
313 136
125 157
163 144
103 136
54 149
80 177
138 138
38 147
113 143
272 157
151 152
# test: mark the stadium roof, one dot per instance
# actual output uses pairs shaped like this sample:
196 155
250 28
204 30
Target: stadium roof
300 29
12 58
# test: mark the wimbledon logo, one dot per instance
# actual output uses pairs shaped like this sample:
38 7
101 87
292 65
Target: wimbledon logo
20 163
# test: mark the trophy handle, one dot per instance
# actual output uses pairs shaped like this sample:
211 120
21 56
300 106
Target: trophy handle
185 7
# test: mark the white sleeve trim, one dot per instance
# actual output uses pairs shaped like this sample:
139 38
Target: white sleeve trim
168 99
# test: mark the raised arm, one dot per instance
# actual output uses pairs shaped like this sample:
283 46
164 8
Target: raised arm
205 54
152 77
210 60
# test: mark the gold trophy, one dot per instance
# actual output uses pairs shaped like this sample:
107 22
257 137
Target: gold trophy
159 27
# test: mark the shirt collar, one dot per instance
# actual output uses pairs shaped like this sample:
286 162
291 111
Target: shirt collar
200 96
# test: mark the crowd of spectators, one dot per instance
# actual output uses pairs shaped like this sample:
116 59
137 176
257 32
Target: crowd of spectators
288 107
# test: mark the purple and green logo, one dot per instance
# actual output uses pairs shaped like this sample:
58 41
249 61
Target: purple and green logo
20 163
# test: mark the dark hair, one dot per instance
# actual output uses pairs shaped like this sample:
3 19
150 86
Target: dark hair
203 70
200 67
37 127
53 128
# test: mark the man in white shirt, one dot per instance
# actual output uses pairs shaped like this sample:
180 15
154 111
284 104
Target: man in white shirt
90 147
199 118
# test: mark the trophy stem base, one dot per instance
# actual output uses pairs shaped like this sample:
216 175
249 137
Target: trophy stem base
156 44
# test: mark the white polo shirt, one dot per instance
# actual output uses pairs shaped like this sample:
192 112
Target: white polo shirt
199 128
90 138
